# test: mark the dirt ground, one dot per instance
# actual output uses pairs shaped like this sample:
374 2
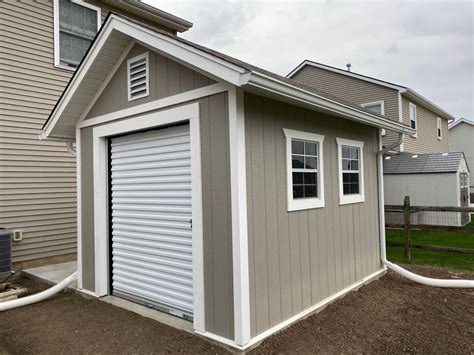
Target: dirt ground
389 315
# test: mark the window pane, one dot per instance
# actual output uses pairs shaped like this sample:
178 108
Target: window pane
309 148
354 178
412 124
311 162
297 147
354 165
354 153
297 178
354 188
310 191
375 108
297 162
346 152
298 191
346 164
350 182
309 178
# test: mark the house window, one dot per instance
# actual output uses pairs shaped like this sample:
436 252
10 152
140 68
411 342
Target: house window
305 176
351 171
377 107
138 77
412 113
438 128
75 25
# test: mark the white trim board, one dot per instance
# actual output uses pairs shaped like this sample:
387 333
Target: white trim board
356 198
189 113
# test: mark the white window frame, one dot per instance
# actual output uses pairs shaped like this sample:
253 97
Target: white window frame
355 198
439 128
147 82
382 110
57 60
410 105
304 203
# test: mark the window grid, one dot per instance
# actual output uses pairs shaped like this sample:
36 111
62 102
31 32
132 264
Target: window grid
350 170
304 157
412 110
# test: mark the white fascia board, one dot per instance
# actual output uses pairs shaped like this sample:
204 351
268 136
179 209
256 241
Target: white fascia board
343 72
272 85
461 120
416 97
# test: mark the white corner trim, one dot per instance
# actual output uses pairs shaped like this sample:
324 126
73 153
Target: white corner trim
156 105
79 208
101 134
304 203
130 62
57 61
400 116
356 198
239 216
104 84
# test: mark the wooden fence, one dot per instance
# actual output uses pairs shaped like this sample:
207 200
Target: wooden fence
407 226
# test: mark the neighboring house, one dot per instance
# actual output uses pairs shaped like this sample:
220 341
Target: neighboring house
396 102
214 190
438 179
461 139
41 44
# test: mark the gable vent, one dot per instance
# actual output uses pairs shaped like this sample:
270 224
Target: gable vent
138 77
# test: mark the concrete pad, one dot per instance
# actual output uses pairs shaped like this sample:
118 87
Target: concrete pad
52 274
161 317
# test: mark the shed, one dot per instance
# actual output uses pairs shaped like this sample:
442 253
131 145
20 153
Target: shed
438 179
214 190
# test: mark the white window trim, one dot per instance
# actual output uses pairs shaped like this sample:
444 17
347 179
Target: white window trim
410 105
382 110
348 199
306 203
57 61
147 82
439 128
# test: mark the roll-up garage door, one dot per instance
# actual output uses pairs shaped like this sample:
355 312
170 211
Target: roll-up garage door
151 219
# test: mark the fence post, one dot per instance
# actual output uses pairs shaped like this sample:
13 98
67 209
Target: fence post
406 217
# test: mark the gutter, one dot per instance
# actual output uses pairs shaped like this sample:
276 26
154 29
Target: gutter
273 85
383 249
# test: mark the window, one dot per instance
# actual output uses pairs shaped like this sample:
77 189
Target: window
305 176
377 107
412 113
138 77
351 171
438 128
75 26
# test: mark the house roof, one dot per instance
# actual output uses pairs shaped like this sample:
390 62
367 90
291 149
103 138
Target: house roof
151 13
461 120
405 91
119 32
422 163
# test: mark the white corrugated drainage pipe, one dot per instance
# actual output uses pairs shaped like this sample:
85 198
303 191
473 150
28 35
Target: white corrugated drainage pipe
24 301
409 275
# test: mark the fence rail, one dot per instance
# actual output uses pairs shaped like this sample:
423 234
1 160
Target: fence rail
407 210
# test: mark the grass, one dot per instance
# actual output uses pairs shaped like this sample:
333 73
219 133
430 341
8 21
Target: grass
462 261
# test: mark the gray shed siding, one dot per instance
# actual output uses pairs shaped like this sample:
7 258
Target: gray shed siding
218 279
297 259
461 139
167 78
354 90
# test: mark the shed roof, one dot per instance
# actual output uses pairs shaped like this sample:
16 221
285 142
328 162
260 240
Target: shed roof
422 163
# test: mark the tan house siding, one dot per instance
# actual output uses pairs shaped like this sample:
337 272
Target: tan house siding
37 178
426 140
461 139
297 259
354 90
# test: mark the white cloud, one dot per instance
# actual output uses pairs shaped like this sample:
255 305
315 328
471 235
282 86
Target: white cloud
425 45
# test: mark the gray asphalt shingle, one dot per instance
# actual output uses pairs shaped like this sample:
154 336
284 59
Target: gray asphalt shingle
422 163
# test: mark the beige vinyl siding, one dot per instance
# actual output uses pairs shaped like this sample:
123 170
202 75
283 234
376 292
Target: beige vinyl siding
39 176
461 139
168 78
297 259
353 90
426 140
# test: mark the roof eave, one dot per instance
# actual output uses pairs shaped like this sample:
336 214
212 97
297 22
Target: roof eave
413 95
264 82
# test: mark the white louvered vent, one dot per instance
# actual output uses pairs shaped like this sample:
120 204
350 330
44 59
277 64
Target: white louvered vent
138 77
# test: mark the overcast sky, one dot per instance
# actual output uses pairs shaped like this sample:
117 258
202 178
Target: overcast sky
425 45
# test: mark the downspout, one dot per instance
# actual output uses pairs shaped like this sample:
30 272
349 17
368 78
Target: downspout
405 273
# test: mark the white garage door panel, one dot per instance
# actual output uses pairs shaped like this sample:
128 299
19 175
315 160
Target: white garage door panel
151 213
